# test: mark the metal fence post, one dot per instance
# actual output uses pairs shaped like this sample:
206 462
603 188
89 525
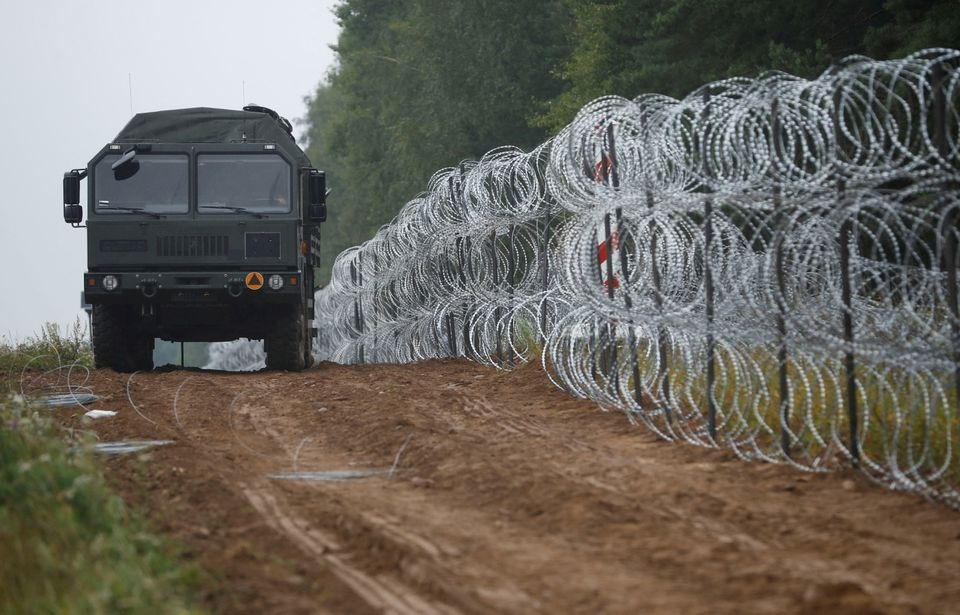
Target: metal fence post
628 302
661 393
598 339
545 264
511 284
465 267
663 369
949 224
610 353
363 321
465 264
495 264
449 320
373 308
779 232
708 282
845 238
357 279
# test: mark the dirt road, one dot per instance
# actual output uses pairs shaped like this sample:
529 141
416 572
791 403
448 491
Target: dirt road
496 492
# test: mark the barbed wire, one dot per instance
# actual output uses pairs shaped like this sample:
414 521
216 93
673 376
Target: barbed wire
768 265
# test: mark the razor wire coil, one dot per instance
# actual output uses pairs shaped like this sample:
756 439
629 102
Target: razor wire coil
767 264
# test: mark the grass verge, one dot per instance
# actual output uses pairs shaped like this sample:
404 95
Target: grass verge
67 543
52 348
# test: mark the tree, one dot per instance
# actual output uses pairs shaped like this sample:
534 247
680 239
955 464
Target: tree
914 25
631 47
421 85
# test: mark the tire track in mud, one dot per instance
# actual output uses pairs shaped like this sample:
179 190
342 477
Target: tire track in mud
381 593
507 496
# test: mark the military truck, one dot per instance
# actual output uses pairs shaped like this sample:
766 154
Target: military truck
203 225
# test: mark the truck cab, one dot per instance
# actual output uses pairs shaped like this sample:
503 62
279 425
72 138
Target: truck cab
203 225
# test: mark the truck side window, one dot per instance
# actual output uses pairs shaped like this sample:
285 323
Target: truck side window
161 185
255 182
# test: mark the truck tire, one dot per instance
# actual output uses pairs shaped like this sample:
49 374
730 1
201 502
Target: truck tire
107 337
116 345
308 355
307 339
140 349
286 340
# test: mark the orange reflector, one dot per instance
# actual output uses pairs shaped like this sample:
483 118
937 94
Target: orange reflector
254 280
293 280
91 281
303 247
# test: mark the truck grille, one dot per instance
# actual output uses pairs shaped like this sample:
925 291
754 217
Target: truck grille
193 245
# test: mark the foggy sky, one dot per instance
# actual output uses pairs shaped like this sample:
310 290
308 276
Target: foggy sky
66 70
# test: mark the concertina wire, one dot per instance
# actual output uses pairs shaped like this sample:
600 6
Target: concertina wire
767 265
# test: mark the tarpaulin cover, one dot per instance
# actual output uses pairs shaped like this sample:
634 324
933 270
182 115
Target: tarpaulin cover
206 125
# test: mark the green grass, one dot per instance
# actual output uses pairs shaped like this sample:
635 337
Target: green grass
47 350
903 414
67 543
526 339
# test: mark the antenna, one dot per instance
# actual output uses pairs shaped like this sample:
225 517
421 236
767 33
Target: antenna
244 88
130 85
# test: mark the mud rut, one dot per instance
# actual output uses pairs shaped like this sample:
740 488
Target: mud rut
505 495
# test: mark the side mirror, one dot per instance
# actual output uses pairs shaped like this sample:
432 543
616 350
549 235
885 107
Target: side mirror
318 213
73 214
317 193
71 187
72 211
318 187
127 166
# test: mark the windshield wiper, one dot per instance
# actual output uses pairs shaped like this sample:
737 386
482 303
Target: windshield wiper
239 210
136 210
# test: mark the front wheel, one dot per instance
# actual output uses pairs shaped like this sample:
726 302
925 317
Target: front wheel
117 342
286 340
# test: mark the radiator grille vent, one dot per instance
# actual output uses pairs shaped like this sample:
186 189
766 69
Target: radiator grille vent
193 245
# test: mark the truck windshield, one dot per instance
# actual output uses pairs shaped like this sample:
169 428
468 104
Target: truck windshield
242 183
160 186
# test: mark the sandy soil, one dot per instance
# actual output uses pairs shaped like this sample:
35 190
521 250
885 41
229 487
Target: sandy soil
505 496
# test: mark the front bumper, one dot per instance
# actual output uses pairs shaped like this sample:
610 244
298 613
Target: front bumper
192 287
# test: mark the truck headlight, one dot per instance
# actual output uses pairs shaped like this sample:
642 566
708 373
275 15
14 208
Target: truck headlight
110 283
275 282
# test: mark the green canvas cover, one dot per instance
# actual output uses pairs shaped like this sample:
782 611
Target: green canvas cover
207 125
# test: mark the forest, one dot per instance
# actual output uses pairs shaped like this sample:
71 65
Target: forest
420 85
